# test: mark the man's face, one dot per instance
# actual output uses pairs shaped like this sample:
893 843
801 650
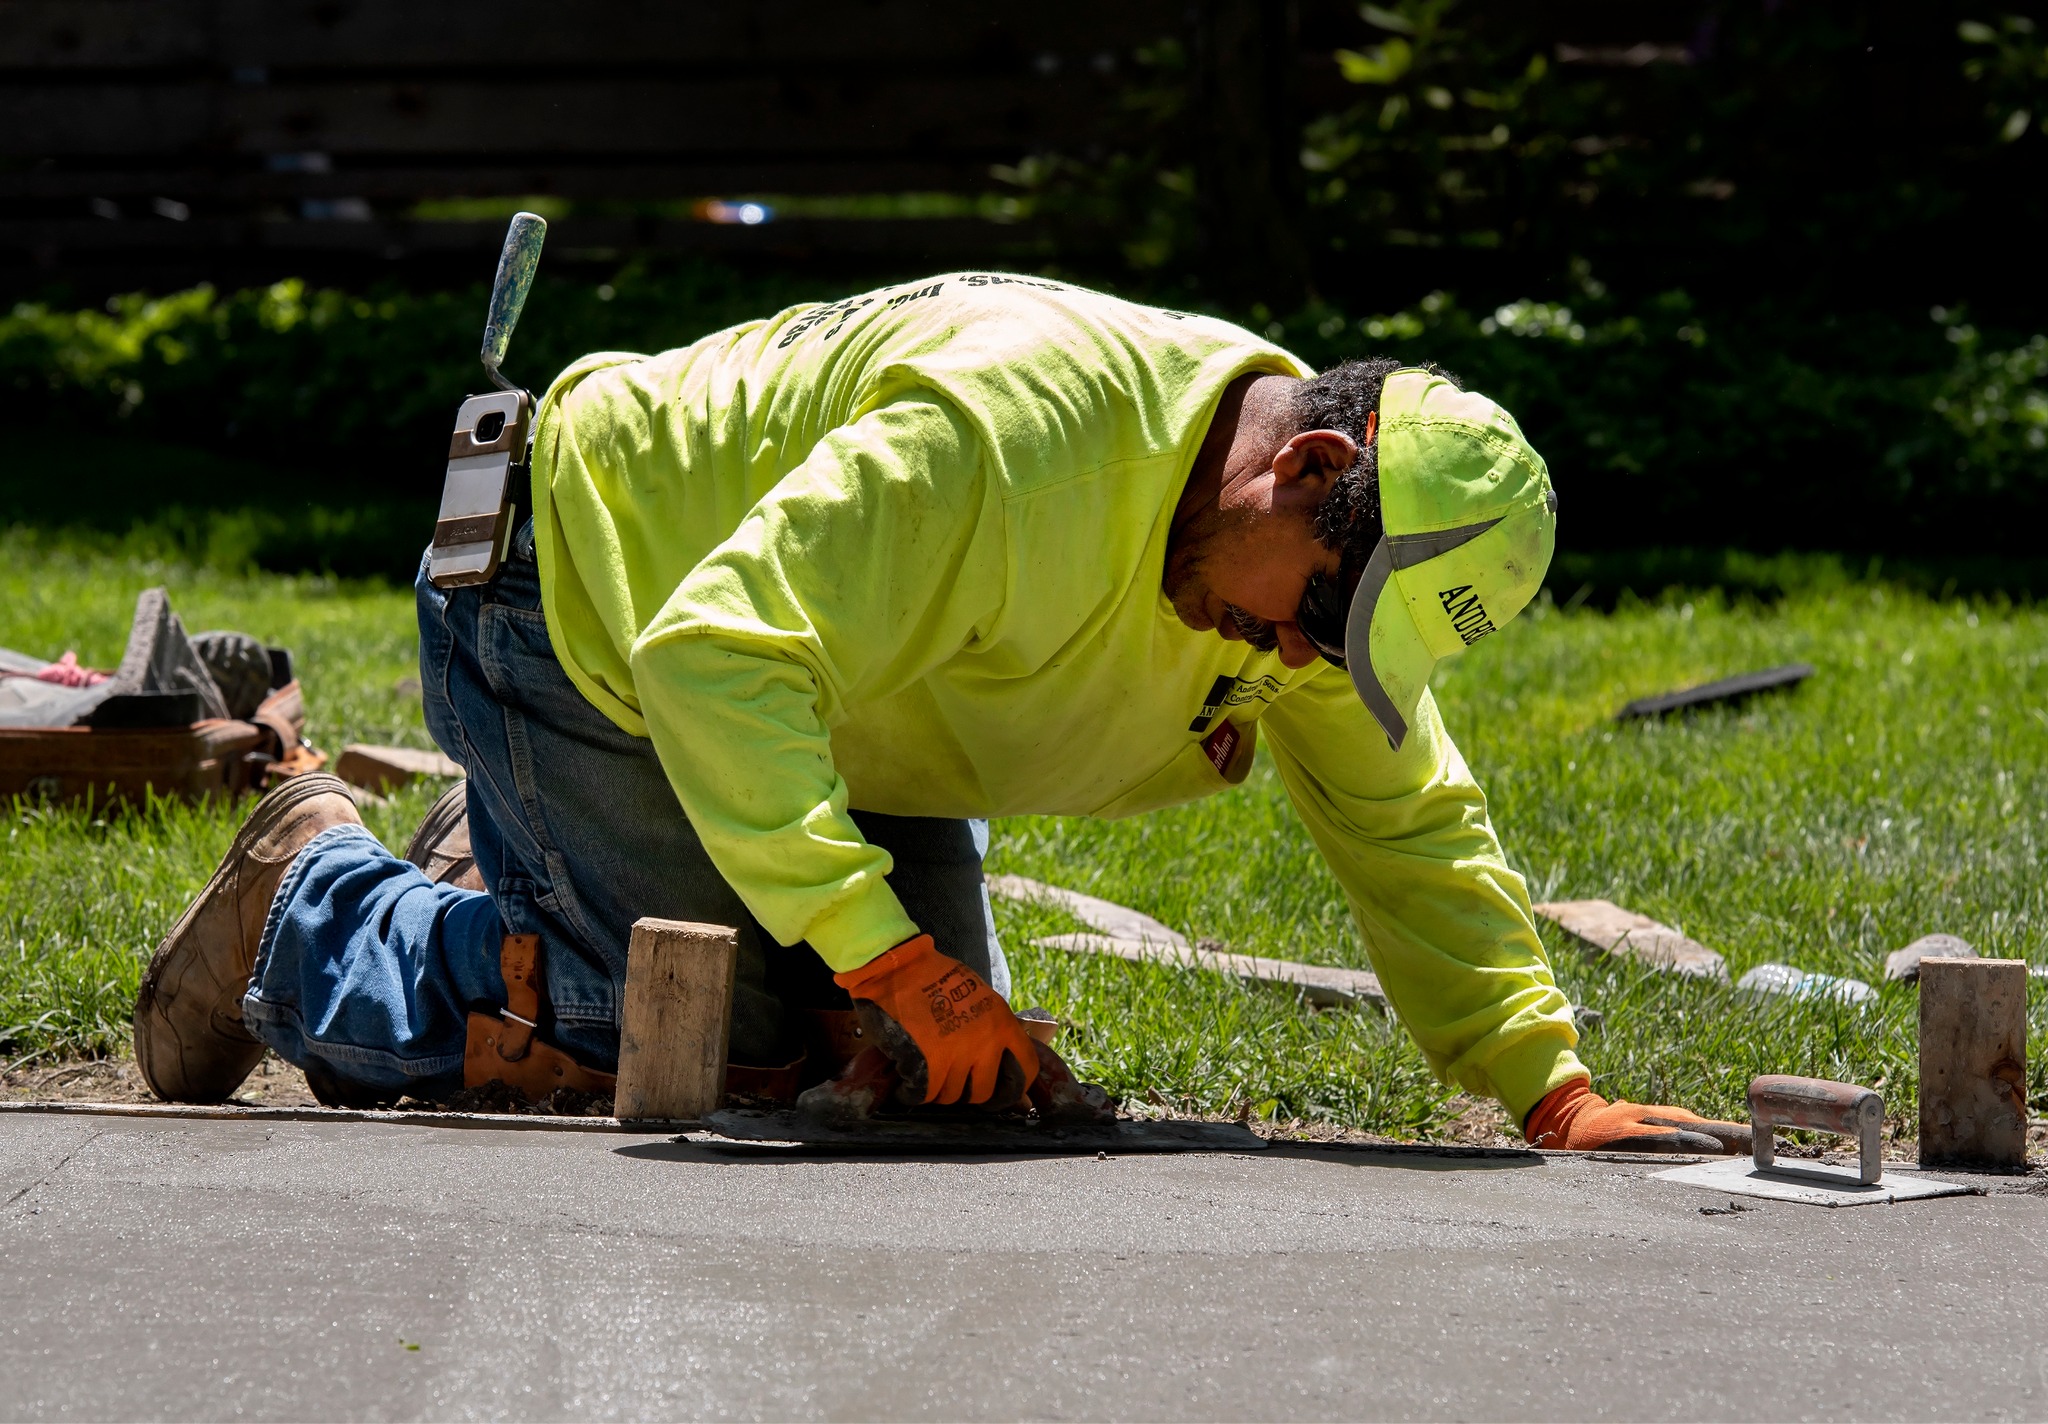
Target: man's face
1239 568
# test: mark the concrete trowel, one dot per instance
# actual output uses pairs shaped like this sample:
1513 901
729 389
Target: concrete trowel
863 1110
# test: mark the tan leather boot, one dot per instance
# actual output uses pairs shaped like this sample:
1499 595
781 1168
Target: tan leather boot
441 845
190 1042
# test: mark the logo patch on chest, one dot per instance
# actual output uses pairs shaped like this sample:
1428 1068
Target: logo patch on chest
1228 691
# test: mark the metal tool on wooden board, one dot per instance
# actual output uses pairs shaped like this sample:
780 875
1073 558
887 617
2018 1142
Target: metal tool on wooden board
1818 1105
488 450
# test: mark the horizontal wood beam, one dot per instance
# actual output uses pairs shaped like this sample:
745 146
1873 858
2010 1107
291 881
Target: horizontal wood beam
961 239
810 115
493 34
687 177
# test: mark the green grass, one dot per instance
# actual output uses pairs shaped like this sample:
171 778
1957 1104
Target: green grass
85 895
1900 791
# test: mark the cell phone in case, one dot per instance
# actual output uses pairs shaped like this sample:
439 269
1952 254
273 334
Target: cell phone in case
486 456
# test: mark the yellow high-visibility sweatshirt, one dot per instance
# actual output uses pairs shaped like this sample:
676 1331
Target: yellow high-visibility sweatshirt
903 553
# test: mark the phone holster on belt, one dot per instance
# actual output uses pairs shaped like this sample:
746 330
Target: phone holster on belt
486 455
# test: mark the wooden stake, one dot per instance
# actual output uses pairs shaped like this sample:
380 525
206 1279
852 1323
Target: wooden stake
1973 1063
677 1019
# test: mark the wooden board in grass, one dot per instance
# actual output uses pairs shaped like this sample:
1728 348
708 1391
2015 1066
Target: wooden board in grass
1726 690
1604 925
382 769
1131 934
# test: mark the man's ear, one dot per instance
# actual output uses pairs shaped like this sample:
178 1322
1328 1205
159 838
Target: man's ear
1312 461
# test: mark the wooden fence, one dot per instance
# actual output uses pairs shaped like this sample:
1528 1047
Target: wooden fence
147 142
138 135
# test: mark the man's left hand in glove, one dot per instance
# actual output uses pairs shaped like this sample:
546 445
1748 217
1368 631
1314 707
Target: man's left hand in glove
1575 1118
951 1037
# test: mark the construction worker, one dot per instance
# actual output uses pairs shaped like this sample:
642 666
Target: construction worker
800 603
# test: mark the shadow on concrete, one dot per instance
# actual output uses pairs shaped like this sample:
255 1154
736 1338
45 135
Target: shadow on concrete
1418 1157
737 1153
1404 1158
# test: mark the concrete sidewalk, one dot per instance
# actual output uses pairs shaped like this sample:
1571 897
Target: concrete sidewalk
202 1270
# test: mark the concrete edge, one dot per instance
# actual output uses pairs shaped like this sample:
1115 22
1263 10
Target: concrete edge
676 1127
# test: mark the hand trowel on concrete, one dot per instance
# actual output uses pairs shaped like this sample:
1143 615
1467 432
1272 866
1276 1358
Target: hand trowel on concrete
863 1111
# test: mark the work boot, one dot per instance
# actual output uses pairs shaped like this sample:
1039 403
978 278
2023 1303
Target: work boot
441 845
190 1042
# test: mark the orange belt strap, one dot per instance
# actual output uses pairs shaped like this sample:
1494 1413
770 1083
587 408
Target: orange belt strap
508 1048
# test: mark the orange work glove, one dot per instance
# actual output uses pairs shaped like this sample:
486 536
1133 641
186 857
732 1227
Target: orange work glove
1576 1118
951 1037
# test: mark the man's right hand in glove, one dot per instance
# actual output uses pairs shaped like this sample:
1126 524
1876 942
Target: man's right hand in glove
951 1037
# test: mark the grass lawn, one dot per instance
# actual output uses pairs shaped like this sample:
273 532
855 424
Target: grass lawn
1903 790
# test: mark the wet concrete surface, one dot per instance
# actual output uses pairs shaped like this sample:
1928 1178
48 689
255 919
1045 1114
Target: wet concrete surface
208 1270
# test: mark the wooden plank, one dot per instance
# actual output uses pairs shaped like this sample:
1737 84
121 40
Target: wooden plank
158 34
1902 966
1114 920
1606 926
676 1019
943 242
930 115
44 121
110 34
477 34
380 769
1322 985
229 180
1727 689
1973 1063
1131 934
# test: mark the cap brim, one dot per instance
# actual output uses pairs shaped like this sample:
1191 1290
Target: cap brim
1384 651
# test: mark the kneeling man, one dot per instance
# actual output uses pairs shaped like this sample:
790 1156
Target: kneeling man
802 604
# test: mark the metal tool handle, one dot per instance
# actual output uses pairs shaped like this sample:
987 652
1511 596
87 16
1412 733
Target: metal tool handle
1781 1100
516 266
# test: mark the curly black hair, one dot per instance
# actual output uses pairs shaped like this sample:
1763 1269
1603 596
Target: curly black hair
1348 521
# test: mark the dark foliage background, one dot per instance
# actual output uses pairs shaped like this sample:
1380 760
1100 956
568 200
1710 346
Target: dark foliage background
1761 274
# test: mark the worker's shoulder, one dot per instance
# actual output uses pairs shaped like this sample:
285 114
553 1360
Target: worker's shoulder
1062 323
1069 385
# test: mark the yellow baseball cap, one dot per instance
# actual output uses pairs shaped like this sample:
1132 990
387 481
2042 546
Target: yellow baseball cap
1469 521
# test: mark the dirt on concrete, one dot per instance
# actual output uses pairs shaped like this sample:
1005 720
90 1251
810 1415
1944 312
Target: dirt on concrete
1476 1122
498 1097
274 1084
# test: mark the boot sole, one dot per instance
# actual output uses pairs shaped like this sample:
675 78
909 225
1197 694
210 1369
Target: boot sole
441 818
266 815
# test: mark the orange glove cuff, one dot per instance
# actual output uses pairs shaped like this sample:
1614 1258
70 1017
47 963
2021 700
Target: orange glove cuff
886 965
1550 1121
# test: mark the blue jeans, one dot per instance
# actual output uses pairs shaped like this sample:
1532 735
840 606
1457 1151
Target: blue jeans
368 971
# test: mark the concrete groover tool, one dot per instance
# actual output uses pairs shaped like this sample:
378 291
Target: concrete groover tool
1816 1104
860 1111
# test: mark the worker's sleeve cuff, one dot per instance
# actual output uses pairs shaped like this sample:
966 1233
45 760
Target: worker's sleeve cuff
1526 1073
868 923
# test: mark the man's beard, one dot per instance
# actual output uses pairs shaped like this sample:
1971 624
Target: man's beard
1255 630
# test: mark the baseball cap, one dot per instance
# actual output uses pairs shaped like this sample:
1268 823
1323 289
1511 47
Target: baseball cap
1469 521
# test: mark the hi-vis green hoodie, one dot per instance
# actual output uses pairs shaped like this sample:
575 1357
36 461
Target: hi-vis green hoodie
903 553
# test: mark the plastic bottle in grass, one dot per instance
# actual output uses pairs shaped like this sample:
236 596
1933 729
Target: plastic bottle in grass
1773 979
